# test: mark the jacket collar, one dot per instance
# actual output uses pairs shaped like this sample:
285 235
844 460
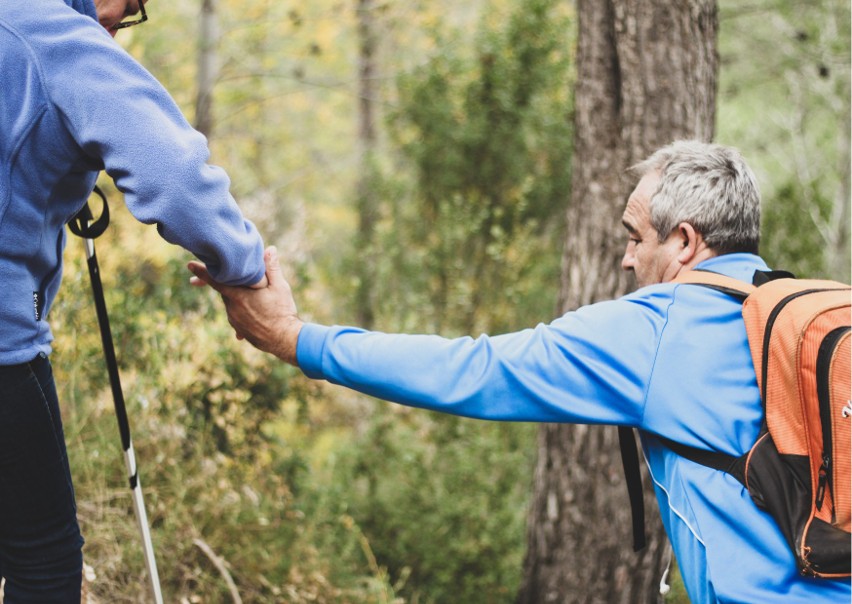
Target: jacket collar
739 266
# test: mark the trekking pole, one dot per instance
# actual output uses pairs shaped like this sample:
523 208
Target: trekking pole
83 225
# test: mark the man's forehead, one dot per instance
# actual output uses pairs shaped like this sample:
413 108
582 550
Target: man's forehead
637 209
629 217
635 212
647 186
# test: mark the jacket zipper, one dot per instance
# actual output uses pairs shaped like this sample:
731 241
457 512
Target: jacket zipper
40 297
823 367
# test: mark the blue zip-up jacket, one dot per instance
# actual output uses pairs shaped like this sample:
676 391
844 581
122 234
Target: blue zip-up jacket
72 103
669 359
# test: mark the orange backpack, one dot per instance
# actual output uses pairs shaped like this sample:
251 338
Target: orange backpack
799 468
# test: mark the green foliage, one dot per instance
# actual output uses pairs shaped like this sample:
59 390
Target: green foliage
488 138
468 239
791 239
442 501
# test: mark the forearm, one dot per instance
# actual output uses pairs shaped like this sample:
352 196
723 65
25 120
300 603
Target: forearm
525 376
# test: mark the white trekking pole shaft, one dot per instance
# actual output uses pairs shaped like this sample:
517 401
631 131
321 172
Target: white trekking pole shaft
142 520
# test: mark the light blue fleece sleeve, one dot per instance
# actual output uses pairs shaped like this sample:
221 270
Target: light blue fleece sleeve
590 366
117 112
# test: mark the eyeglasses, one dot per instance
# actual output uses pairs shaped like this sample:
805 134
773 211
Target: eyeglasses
142 18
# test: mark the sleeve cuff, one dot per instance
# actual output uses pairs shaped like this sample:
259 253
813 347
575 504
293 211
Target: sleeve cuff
309 349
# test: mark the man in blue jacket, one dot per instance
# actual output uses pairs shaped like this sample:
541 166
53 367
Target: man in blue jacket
669 359
74 103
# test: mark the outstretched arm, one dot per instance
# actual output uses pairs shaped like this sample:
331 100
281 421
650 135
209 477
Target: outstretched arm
585 367
265 316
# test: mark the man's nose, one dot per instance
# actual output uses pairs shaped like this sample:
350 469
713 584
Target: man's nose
627 260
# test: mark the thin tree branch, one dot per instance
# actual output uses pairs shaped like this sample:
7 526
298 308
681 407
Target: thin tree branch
221 566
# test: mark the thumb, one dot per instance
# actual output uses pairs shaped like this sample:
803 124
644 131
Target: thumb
273 266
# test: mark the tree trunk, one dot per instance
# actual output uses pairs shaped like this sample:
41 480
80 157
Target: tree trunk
208 67
646 76
366 196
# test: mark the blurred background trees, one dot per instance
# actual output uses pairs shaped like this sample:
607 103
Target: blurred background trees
784 99
412 162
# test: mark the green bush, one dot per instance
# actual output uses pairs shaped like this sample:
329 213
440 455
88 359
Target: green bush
442 501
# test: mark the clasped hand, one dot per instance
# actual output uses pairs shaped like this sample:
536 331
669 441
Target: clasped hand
265 316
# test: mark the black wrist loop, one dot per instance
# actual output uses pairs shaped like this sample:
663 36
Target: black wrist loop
84 225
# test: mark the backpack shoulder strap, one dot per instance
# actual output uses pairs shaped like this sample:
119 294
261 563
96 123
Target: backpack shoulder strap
728 285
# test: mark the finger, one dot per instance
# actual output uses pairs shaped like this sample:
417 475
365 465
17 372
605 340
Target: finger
201 275
200 271
273 266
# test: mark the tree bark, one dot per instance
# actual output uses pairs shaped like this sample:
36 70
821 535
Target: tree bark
646 76
366 196
208 67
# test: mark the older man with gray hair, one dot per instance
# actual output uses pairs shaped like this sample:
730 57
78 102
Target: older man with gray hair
670 359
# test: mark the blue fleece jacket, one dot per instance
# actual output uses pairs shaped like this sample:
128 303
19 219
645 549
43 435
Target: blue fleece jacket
669 359
73 103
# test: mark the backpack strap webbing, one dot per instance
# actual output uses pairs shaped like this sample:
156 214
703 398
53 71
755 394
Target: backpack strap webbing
633 480
733 287
735 466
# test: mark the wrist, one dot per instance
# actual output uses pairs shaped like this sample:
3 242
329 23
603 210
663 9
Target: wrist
289 340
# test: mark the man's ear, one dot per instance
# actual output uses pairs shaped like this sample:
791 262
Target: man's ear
689 240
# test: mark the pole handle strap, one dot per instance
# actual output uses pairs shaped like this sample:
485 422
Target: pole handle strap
84 224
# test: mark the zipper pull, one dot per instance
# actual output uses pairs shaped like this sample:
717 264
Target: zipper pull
823 481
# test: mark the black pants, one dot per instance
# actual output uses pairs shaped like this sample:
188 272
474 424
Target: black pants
40 543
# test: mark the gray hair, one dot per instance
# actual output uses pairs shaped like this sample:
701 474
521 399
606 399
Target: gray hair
710 187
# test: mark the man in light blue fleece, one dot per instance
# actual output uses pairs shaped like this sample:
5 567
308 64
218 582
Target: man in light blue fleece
669 359
73 103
